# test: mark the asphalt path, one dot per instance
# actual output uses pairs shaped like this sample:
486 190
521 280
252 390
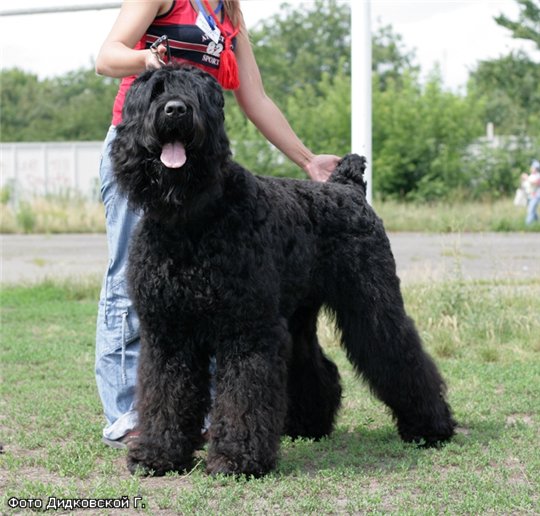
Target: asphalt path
420 257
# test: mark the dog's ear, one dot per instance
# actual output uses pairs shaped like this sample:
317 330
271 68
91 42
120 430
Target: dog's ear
138 96
217 91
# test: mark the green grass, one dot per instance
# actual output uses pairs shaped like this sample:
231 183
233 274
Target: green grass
78 216
484 336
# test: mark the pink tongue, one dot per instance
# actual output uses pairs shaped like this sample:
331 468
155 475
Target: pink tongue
173 155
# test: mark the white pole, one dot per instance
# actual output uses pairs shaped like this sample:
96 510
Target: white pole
361 85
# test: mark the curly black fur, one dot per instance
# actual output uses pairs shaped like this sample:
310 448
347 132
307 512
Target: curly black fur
237 266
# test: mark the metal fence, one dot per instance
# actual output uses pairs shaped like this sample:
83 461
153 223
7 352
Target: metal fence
50 169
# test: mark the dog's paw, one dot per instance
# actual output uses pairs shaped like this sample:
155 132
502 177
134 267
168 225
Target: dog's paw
146 467
432 437
221 465
137 468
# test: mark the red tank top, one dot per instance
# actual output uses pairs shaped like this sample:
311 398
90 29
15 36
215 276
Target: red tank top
188 43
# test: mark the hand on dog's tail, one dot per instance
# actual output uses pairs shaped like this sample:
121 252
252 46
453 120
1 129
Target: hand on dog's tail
350 170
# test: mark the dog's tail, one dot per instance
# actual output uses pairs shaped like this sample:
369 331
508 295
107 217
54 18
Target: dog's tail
350 170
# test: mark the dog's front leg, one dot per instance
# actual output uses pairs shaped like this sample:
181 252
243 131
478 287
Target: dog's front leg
251 401
173 399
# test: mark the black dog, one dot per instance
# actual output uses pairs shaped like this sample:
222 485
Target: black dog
235 266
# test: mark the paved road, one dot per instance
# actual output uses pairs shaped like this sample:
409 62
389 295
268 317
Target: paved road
419 257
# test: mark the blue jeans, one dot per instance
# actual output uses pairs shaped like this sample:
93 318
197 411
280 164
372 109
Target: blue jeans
532 206
117 333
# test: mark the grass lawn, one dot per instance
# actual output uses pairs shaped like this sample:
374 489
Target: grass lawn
485 336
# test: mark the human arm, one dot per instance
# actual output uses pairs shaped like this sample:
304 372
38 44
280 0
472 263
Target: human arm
268 118
117 58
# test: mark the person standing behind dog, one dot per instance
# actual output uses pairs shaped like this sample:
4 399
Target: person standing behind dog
210 34
533 193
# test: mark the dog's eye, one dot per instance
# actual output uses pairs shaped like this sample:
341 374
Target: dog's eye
157 89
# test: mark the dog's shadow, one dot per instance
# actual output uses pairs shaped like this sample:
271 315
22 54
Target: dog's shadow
363 449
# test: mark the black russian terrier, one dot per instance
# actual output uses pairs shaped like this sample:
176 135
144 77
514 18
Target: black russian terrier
236 266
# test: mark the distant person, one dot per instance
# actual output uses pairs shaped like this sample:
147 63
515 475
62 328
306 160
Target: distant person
522 193
200 32
533 190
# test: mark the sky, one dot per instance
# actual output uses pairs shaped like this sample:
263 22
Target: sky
455 34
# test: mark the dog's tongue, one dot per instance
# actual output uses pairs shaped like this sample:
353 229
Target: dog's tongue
173 155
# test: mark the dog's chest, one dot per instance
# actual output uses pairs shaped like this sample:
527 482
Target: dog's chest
186 279
193 289
199 287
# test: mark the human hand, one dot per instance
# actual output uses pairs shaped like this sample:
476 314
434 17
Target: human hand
155 58
321 166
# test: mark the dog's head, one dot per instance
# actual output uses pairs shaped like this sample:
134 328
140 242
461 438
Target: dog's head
171 145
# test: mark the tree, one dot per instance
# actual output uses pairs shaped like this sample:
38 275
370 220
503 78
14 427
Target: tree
304 58
528 24
75 106
420 131
23 106
510 87
419 136
86 101
296 47
390 59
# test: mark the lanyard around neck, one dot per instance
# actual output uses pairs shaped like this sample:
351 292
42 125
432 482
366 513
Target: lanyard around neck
209 16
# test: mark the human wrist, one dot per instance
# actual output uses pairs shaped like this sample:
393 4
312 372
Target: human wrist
305 161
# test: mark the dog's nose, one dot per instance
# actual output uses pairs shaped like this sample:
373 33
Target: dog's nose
175 108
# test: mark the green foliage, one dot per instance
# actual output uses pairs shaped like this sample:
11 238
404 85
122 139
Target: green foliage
86 101
510 89
419 132
75 106
322 119
24 106
6 192
419 135
391 60
494 171
295 48
26 217
304 58
528 24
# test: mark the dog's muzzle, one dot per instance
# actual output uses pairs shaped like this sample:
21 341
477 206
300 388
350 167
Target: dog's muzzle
173 154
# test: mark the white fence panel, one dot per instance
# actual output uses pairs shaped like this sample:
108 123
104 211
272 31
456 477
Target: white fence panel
53 168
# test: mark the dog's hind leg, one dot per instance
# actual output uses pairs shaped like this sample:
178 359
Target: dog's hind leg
314 389
173 399
382 343
250 404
